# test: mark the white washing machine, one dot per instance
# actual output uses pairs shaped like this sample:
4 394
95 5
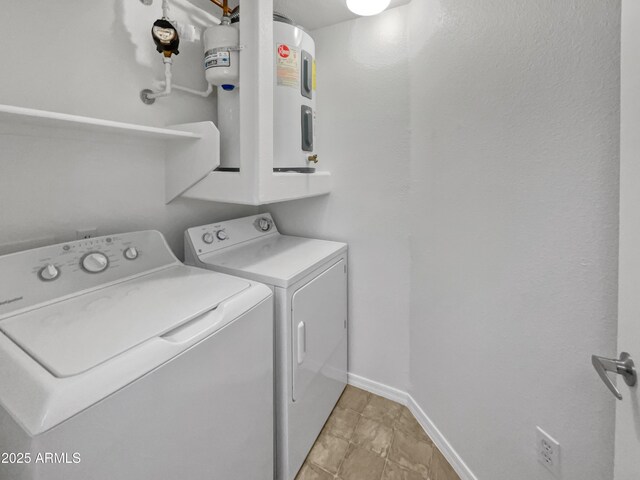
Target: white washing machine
119 362
309 280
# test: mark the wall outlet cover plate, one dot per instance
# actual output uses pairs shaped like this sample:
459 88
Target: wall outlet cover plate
88 232
548 451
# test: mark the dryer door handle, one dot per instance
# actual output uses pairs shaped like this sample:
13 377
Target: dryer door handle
302 342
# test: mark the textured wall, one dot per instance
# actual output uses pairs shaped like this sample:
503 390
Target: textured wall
514 169
363 120
93 58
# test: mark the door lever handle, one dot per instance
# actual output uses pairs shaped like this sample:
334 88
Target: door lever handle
624 366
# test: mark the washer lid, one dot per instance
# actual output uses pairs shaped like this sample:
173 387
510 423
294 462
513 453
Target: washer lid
75 335
279 260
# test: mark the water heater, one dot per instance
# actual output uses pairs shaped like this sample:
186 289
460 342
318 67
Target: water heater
294 98
294 104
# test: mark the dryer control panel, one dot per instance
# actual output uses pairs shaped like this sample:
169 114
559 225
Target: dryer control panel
218 236
32 278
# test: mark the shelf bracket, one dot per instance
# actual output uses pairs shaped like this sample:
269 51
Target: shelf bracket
188 163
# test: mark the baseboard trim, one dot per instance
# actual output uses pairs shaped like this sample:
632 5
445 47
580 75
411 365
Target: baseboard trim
461 468
378 388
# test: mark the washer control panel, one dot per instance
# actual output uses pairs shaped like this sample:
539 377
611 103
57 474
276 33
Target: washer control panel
217 236
41 275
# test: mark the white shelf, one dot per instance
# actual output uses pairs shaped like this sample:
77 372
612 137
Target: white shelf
192 150
29 116
230 187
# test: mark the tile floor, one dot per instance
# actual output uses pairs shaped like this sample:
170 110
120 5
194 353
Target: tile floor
368 437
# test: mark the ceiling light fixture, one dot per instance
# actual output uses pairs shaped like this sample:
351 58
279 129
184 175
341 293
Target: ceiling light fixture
367 7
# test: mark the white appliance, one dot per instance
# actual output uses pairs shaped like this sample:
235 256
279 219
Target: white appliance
119 362
294 103
309 280
294 98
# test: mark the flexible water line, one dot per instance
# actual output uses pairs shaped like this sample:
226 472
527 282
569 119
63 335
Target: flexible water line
167 81
203 94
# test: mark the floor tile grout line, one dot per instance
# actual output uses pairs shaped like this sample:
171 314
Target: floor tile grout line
360 417
344 457
350 442
386 459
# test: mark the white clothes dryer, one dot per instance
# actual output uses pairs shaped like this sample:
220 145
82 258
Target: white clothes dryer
309 280
119 362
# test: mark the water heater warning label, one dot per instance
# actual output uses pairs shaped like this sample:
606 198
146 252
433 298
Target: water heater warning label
214 58
287 66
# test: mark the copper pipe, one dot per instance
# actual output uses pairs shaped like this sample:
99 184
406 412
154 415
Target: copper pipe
224 5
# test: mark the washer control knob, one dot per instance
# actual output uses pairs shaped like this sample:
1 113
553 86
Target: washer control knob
48 273
207 238
95 262
131 253
264 224
221 235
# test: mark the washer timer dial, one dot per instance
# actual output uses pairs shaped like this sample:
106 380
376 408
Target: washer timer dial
94 262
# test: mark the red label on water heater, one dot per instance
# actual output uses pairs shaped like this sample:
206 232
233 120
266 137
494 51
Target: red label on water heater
283 51
287 66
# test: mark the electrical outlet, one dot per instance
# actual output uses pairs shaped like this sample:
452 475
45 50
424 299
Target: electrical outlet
84 233
548 451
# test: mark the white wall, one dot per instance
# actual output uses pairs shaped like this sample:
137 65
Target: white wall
93 58
363 140
514 166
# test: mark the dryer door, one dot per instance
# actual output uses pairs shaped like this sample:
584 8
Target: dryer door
319 331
